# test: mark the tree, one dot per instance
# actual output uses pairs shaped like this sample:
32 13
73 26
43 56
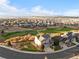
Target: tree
56 41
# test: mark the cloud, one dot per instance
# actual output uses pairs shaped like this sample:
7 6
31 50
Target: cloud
2 2
8 10
38 10
72 12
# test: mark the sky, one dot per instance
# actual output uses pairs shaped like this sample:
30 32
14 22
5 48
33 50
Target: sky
39 7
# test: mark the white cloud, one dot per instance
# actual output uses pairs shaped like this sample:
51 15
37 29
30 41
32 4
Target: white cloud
3 2
7 10
38 10
72 12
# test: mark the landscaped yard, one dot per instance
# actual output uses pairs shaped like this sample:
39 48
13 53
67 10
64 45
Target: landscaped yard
26 44
29 47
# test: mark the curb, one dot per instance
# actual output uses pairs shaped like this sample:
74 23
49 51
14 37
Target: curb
16 50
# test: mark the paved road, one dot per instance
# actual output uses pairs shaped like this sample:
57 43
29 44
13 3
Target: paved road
10 54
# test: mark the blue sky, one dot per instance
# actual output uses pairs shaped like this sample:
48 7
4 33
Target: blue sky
48 4
39 7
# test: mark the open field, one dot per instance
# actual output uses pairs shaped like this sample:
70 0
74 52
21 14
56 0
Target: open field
17 33
33 32
56 30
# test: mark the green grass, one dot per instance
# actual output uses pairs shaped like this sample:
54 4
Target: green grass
33 32
55 30
30 47
57 48
18 33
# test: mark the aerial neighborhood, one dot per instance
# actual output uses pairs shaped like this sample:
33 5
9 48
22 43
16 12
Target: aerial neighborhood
39 33
41 21
39 29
